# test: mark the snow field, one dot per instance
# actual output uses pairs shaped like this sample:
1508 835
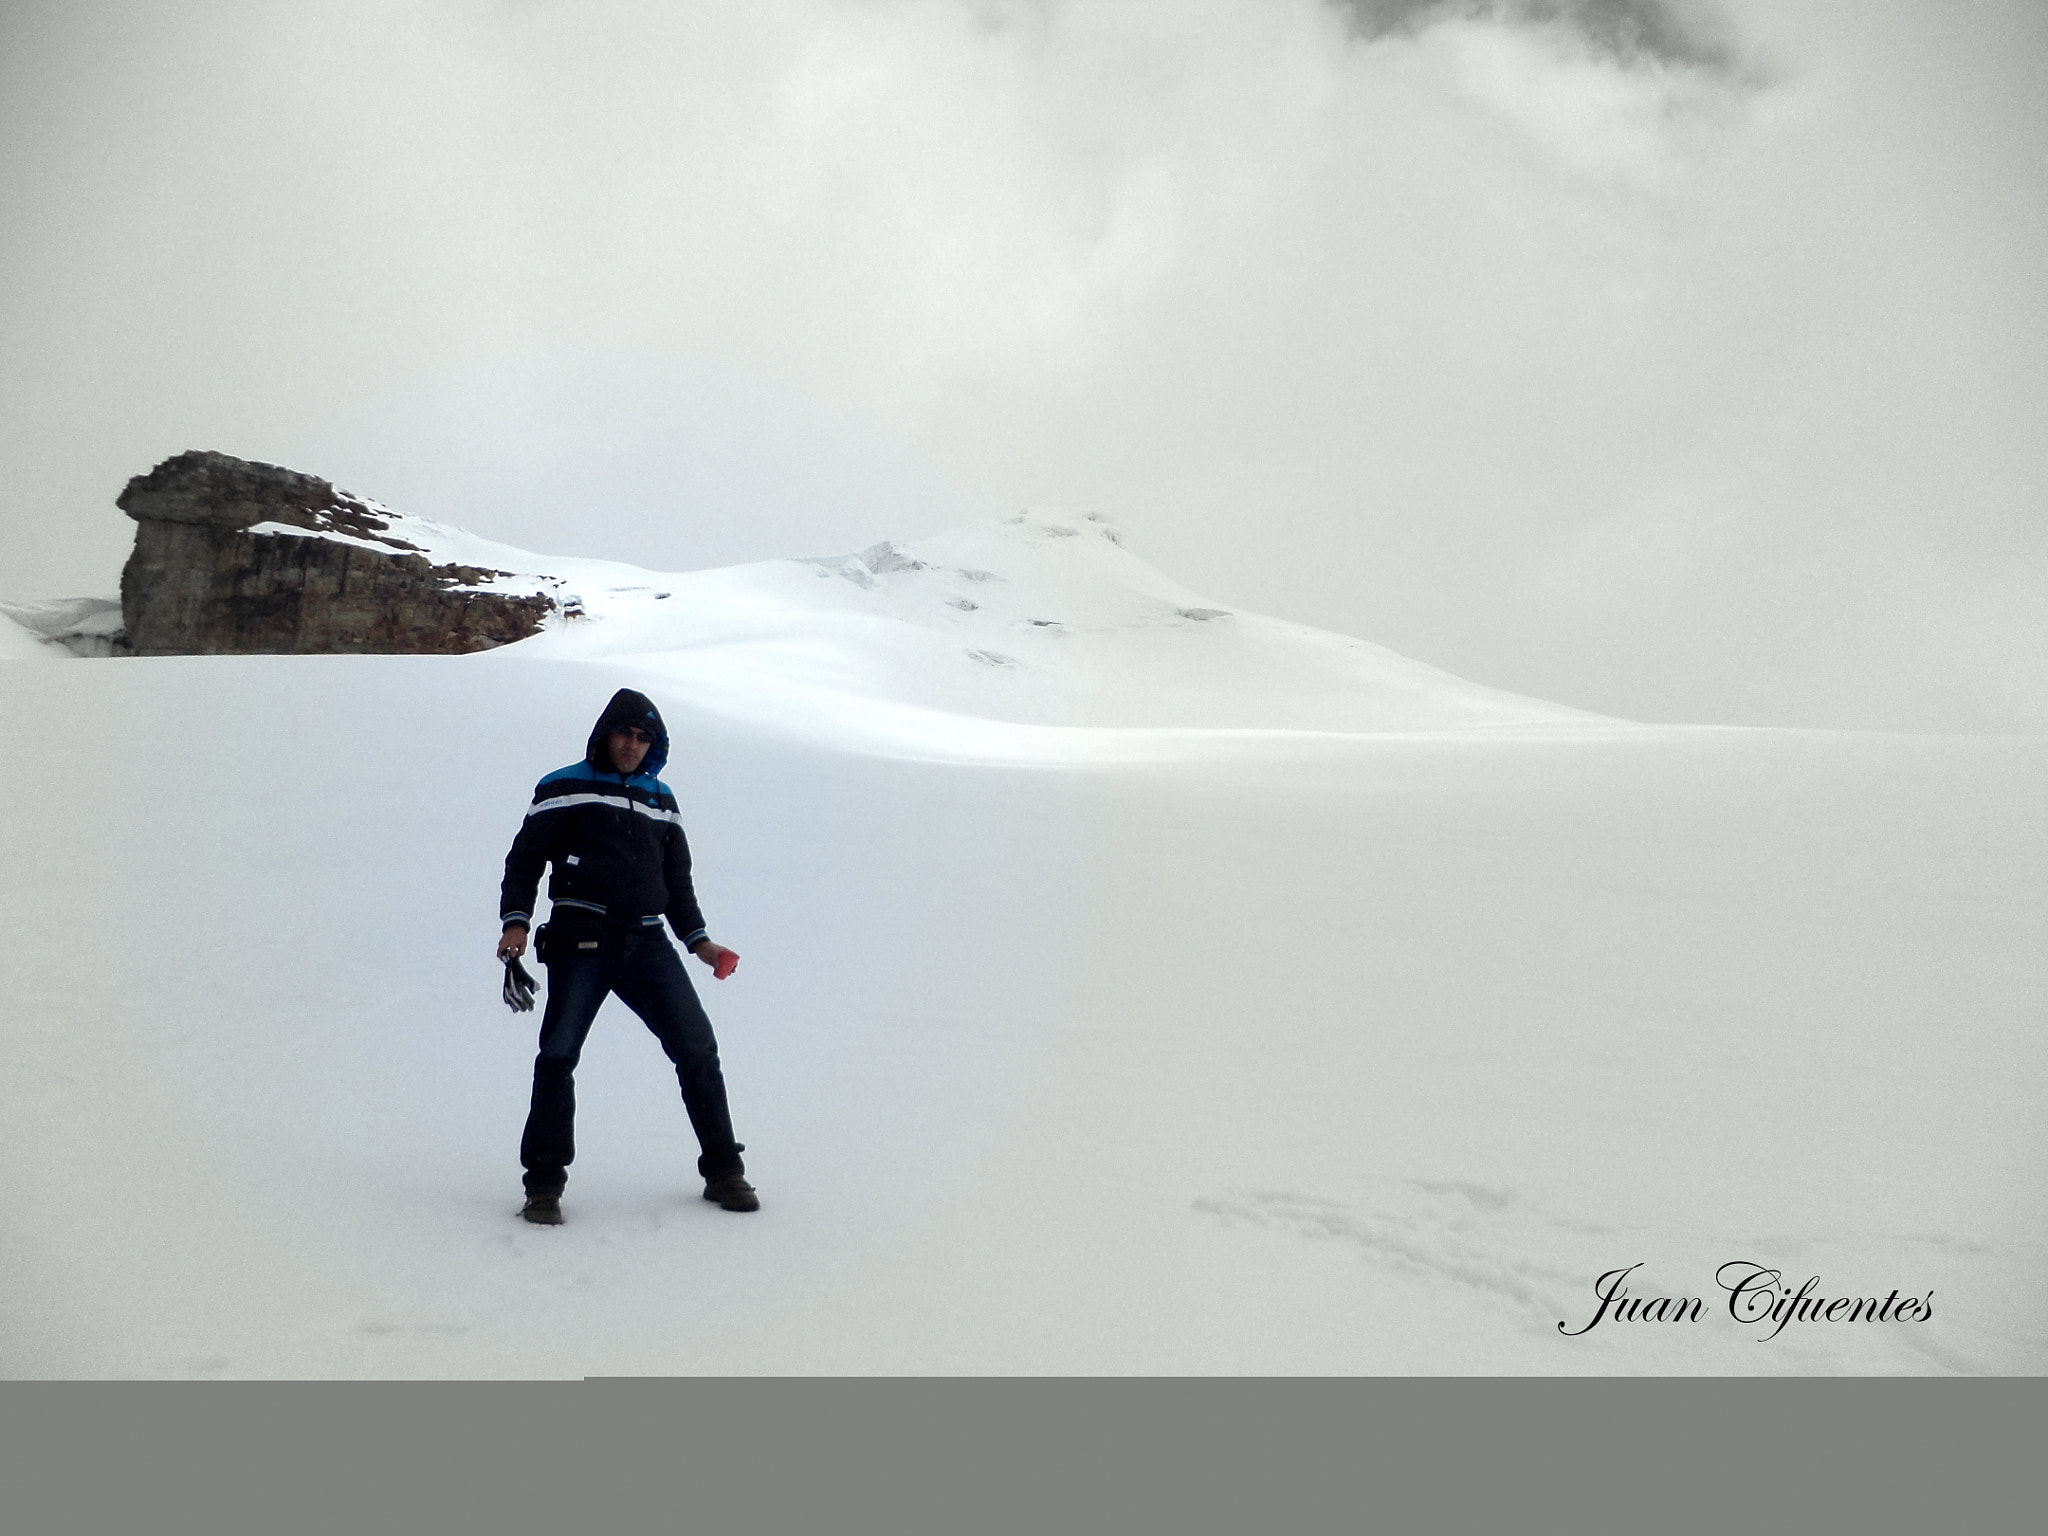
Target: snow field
1055 1050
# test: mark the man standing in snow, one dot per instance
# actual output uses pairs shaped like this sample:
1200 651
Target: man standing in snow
611 830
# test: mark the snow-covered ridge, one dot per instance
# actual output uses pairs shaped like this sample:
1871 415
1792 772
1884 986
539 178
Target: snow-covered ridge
59 627
1036 618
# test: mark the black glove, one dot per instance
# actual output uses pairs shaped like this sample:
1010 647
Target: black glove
520 986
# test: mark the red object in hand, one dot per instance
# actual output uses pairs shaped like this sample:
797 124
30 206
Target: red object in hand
727 964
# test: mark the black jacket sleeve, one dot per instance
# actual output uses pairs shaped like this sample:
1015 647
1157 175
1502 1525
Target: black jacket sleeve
683 915
531 850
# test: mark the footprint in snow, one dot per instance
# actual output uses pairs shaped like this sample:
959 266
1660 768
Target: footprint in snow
1473 1235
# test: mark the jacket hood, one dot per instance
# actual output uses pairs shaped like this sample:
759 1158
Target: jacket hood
628 708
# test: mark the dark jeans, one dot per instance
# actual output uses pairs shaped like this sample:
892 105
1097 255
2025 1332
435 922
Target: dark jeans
642 967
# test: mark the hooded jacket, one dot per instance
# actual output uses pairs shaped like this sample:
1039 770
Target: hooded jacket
616 842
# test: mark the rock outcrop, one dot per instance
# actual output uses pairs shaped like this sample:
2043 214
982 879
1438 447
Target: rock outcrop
237 557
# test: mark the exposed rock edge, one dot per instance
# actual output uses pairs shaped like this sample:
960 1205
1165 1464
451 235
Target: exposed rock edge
199 583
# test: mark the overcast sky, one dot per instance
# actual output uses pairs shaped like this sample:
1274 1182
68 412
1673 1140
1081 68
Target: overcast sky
1683 360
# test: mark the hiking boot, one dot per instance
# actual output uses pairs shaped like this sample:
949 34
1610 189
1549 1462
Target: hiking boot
543 1210
733 1193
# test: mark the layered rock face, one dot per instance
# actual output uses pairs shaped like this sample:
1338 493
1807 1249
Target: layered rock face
322 572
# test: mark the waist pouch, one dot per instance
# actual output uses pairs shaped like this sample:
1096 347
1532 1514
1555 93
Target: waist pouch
581 936
557 941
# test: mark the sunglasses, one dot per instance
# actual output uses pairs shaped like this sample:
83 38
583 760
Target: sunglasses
637 733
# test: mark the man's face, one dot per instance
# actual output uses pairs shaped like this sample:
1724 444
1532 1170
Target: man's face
629 746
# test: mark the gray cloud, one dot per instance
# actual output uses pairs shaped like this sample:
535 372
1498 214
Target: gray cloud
1628 30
